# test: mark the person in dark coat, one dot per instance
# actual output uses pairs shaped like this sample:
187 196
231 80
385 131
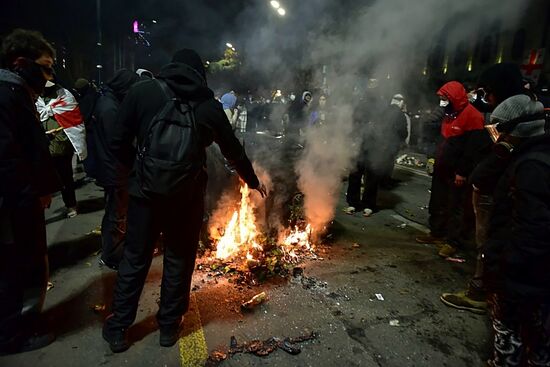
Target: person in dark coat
111 175
383 132
87 94
178 216
27 181
516 254
452 167
487 169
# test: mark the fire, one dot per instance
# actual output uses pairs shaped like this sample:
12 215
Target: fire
239 238
240 232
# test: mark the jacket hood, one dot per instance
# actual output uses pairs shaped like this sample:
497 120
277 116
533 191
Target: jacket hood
121 82
11 77
456 94
186 82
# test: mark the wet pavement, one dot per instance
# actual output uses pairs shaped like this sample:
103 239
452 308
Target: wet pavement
372 298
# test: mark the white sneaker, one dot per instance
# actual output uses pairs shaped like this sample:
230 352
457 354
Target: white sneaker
349 210
367 212
71 212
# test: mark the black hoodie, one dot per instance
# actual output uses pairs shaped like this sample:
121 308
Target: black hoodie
145 100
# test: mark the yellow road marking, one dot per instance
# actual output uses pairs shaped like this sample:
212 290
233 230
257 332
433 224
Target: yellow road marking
193 349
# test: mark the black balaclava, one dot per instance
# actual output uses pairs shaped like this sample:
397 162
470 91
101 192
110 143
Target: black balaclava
31 72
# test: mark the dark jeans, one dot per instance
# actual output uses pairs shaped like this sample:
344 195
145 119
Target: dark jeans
179 219
446 209
370 193
522 332
113 225
64 167
483 205
23 269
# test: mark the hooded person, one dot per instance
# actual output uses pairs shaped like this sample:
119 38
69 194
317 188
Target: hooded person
144 74
111 174
229 101
487 167
178 214
451 170
517 251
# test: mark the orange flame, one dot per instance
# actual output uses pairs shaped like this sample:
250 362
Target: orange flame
240 232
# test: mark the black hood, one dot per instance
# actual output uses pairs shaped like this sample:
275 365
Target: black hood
186 82
121 82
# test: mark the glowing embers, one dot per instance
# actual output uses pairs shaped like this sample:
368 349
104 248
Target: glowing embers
238 240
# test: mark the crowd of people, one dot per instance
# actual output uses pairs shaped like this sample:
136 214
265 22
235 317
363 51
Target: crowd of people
142 138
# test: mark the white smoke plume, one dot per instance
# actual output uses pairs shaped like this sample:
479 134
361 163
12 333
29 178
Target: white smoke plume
391 39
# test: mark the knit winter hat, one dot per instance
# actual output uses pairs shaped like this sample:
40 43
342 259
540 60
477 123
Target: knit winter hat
519 106
190 58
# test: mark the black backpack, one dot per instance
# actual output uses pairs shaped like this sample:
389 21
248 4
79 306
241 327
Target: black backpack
170 153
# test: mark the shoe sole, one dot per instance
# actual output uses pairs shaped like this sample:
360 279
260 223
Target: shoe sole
464 308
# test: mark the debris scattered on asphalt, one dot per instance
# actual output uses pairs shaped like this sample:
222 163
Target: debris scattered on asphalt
394 322
456 259
259 348
402 225
254 301
297 272
424 207
49 286
407 160
379 296
356 245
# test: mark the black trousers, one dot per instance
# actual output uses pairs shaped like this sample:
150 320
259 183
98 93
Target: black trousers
23 269
113 225
370 193
446 208
64 167
179 219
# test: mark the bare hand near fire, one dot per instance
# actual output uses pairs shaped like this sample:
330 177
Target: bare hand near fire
262 190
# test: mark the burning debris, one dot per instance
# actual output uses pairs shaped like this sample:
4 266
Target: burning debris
240 246
259 348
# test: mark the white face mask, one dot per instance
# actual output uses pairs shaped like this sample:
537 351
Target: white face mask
443 103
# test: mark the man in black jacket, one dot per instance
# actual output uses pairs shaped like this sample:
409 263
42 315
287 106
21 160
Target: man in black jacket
111 174
517 252
27 180
178 216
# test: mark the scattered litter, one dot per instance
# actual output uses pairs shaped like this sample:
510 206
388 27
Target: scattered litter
379 296
424 207
88 264
254 301
98 308
356 245
49 286
297 272
259 348
456 259
402 225
394 322
407 160
96 231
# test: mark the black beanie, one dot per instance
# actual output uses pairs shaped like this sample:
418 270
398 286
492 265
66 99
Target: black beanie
502 80
190 58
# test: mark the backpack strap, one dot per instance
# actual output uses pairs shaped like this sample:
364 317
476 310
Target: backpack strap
168 92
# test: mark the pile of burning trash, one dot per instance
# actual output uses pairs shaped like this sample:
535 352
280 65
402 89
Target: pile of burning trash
239 248
408 160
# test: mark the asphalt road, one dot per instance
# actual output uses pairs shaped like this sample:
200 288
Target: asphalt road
372 299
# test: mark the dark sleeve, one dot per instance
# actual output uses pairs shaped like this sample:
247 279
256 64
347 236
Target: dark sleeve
9 157
231 148
487 173
477 143
124 130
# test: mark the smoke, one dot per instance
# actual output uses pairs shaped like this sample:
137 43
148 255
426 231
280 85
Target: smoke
389 40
